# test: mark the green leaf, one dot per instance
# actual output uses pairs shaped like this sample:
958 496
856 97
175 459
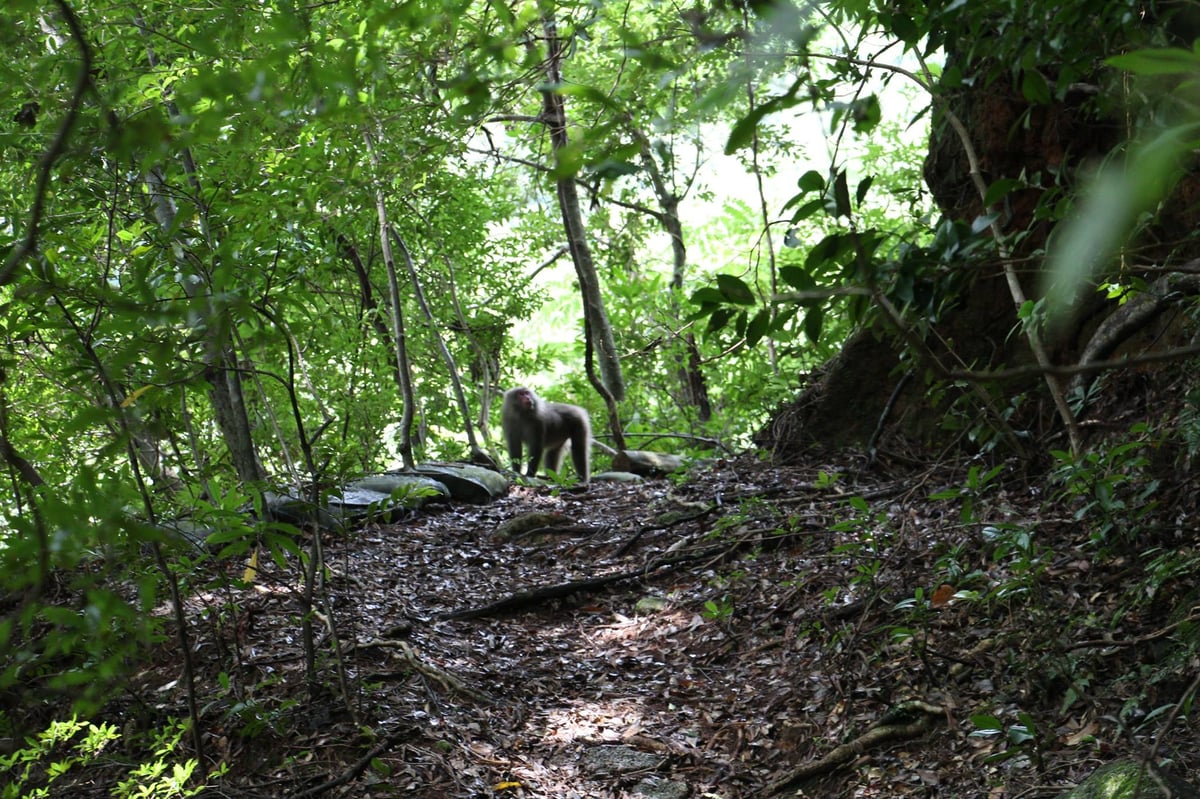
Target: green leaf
1165 61
987 723
280 544
229 533
828 250
841 196
758 327
905 29
1034 87
1105 217
611 170
983 222
814 323
568 160
811 181
866 113
719 319
808 209
735 290
740 320
784 316
707 296
797 278
1018 734
743 130
864 186
999 190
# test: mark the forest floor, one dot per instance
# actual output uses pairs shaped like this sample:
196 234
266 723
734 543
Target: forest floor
830 627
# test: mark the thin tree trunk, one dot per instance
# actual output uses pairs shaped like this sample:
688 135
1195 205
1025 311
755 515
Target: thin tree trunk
765 213
367 295
595 317
447 356
398 337
690 375
221 371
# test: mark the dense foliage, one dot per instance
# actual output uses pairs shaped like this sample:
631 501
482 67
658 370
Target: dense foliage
201 207
198 204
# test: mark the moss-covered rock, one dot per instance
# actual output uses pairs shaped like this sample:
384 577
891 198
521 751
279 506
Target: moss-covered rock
1120 780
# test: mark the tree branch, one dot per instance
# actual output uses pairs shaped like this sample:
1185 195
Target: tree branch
58 145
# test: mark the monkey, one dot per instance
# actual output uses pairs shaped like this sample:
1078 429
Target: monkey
546 428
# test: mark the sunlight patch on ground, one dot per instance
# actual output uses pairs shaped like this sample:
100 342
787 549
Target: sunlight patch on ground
608 721
625 628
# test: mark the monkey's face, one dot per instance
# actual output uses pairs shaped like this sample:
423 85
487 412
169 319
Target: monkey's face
526 400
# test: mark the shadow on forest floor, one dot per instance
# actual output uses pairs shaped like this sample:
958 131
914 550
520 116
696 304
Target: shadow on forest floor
821 599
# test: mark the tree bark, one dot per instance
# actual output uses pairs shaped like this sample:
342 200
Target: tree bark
554 115
221 371
691 377
843 404
399 340
447 357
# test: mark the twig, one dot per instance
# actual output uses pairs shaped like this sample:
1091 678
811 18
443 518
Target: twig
359 766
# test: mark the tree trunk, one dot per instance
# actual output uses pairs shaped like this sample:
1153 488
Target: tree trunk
842 406
221 372
431 322
595 317
399 339
692 379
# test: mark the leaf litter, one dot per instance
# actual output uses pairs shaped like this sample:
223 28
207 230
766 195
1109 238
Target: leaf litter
800 611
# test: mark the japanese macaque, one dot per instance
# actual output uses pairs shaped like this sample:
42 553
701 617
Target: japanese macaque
547 428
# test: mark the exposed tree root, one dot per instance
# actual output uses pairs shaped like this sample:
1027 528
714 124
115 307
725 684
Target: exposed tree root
897 725
537 596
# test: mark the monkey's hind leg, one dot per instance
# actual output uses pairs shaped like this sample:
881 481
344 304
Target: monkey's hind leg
554 458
